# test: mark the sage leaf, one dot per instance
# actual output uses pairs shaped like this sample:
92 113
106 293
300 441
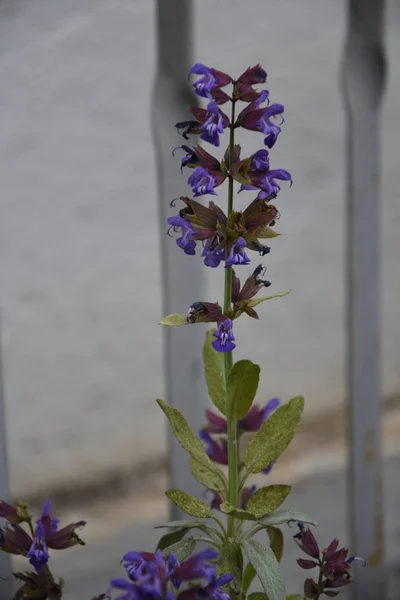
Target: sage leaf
248 576
238 513
182 550
174 320
279 517
274 436
242 386
267 499
189 504
171 538
276 542
232 559
211 477
267 568
255 301
214 371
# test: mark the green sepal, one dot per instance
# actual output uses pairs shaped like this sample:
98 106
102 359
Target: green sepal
248 576
171 538
255 301
267 568
276 542
274 436
242 386
238 513
174 320
267 499
268 233
185 436
279 517
214 371
189 504
182 550
232 559
212 478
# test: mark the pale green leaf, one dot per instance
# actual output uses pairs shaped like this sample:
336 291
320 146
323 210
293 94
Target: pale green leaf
274 436
267 233
189 504
186 524
185 436
171 538
182 550
211 477
238 513
267 499
276 542
174 320
255 301
242 386
232 559
248 576
267 568
293 597
279 517
257 596
214 371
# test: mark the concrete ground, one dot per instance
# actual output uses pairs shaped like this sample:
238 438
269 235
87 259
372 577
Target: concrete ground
79 275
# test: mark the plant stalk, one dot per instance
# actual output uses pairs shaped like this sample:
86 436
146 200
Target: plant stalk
233 470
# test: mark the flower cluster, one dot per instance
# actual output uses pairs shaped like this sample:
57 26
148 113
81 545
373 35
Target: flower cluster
214 437
228 238
14 539
333 562
153 576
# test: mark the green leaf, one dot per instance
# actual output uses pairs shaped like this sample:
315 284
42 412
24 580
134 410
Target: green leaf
242 386
171 538
238 513
186 524
276 542
232 559
174 320
248 576
287 516
185 436
211 477
189 504
214 371
257 596
255 301
267 499
182 550
267 568
274 436
293 597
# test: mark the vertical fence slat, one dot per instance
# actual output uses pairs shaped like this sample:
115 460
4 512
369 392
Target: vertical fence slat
182 276
363 78
5 563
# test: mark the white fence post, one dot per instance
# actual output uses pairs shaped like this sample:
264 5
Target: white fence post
363 78
5 563
182 276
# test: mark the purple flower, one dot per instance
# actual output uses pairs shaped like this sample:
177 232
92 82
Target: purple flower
38 554
202 182
262 177
246 494
185 242
186 127
196 567
261 119
50 525
256 416
213 254
215 423
190 159
260 160
253 75
207 81
213 125
216 450
213 591
225 338
237 255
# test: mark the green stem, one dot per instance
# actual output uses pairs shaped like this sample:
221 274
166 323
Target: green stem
233 467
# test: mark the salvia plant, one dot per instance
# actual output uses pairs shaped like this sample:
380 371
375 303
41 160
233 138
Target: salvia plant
239 528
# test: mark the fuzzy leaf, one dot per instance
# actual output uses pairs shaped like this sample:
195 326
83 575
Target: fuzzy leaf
189 504
274 436
186 524
212 478
293 597
257 596
238 513
267 499
214 371
171 538
248 576
232 559
267 568
255 301
184 434
183 549
276 542
174 320
279 517
242 386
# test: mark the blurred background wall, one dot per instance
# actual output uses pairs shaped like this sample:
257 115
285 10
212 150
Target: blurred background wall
79 247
